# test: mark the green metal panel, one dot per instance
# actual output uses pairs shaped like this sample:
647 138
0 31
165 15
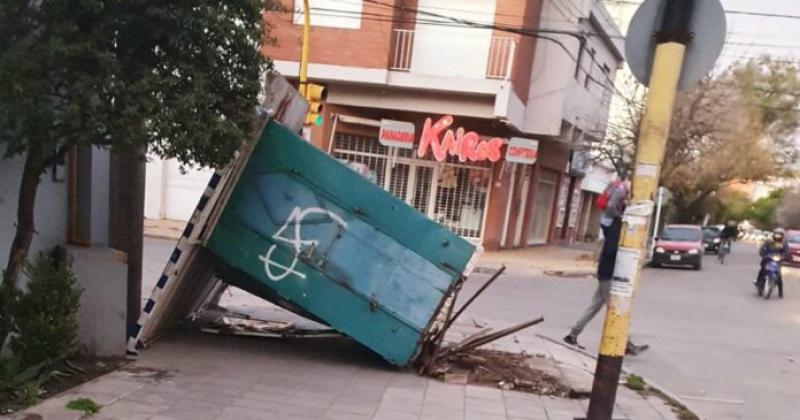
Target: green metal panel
302 230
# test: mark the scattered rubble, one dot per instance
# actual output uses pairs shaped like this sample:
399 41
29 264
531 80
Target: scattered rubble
504 370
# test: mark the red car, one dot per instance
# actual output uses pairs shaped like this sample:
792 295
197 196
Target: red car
679 245
793 242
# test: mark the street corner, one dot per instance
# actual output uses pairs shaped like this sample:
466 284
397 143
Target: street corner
637 398
576 261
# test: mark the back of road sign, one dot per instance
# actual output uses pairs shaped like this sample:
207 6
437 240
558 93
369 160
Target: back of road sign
708 29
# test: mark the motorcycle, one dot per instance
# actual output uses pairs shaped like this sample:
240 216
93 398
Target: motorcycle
772 273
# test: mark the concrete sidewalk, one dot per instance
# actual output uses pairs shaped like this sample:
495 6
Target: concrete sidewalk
194 376
553 260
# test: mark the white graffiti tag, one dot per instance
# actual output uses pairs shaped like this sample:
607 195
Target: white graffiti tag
292 227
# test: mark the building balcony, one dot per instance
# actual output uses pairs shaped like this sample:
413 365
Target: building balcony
464 57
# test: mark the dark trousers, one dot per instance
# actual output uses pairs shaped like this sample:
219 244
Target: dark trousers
608 256
762 278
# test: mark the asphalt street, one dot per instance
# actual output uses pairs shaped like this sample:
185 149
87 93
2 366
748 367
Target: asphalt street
732 354
729 353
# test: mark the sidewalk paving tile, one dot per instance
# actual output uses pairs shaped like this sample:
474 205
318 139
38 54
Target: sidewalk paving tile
483 406
355 408
110 386
342 415
411 396
256 404
302 410
389 414
284 387
123 407
190 414
241 413
312 399
484 393
482 416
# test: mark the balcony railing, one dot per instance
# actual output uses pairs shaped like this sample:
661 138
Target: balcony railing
499 62
403 47
501 57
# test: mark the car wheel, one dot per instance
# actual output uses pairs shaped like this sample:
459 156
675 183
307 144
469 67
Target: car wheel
698 266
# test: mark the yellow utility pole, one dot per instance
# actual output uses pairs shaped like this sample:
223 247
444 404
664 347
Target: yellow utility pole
672 39
304 49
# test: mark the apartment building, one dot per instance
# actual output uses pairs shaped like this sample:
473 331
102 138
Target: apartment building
462 108
471 66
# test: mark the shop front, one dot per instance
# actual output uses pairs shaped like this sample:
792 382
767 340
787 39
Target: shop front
442 169
548 198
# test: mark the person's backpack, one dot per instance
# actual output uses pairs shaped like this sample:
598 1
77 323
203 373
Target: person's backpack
601 202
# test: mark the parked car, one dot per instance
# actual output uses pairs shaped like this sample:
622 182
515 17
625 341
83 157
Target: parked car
711 239
793 242
679 245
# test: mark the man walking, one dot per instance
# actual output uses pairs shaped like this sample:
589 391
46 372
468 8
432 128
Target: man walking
614 199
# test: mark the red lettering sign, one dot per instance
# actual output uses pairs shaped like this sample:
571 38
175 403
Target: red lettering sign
399 136
467 145
522 152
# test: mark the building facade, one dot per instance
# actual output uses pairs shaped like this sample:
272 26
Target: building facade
457 107
410 62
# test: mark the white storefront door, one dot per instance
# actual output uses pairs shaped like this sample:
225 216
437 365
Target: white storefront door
544 196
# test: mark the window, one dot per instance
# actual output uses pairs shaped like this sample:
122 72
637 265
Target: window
677 234
331 13
589 66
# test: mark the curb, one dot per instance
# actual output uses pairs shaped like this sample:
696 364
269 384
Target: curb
162 235
663 390
569 273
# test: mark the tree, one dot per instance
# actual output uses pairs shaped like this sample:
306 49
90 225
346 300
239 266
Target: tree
762 211
180 78
727 205
787 213
726 129
617 146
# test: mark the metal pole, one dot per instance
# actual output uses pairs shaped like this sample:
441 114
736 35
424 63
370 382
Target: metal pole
304 49
672 39
658 217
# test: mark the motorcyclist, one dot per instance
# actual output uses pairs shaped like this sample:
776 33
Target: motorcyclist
776 244
729 234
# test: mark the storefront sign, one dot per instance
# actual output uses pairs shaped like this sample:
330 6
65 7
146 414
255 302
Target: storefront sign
521 150
467 145
398 134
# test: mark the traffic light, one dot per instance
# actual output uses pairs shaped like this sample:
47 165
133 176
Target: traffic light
315 94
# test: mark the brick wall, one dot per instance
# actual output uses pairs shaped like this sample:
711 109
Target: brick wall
367 47
520 13
495 212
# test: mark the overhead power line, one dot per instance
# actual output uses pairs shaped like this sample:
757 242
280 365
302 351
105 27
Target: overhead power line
762 14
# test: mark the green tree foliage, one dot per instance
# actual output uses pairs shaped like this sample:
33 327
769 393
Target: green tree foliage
180 77
729 205
46 315
736 125
762 211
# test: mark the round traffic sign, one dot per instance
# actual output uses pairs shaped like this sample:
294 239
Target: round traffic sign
707 25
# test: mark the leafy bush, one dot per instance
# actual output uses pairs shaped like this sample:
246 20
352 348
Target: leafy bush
46 315
86 405
19 386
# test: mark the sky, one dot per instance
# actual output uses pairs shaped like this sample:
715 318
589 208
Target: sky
757 33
